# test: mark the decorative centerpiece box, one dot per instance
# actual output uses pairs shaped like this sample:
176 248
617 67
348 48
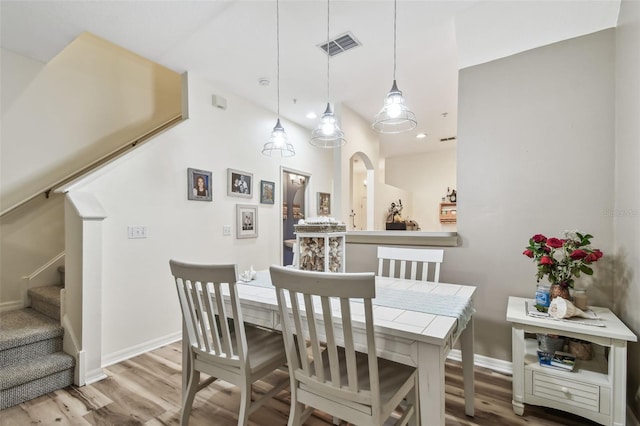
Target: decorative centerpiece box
320 227
321 245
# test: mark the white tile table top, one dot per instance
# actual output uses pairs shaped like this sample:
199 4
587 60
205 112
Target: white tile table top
417 326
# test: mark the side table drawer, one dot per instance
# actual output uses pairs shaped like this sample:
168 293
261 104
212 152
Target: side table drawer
576 393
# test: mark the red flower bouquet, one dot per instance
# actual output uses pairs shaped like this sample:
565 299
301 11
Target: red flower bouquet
562 259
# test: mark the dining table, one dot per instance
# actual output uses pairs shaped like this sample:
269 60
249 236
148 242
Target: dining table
416 323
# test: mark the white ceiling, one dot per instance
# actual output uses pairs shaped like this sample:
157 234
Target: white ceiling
233 43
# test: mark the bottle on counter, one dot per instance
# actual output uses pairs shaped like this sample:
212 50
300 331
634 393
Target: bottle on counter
542 298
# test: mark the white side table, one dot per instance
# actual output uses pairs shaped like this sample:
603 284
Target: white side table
596 389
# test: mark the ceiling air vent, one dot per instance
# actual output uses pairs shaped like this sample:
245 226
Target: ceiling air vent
340 44
449 139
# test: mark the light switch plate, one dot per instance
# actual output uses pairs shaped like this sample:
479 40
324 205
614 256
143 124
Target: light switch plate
137 231
226 230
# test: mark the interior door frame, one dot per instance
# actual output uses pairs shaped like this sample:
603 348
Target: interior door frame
307 198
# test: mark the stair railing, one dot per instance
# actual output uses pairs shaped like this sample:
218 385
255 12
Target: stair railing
96 163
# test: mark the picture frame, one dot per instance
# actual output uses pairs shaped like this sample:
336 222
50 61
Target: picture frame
199 184
324 203
267 192
239 183
246 221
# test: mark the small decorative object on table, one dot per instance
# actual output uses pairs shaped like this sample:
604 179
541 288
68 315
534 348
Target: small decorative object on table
395 221
562 259
581 349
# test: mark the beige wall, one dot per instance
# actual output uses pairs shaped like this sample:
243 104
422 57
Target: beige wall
90 99
427 176
16 73
535 155
56 118
626 213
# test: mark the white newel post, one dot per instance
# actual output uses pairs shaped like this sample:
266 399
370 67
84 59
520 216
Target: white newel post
82 301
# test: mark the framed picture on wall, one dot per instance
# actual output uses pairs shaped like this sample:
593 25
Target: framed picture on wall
199 185
324 203
267 190
239 184
246 221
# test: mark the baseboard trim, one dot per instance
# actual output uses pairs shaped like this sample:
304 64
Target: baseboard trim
150 345
494 364
11 306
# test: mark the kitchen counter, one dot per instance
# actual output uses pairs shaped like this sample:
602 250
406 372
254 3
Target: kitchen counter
409 238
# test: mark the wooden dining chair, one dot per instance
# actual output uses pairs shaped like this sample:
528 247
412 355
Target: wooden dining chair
392 259
220 344
352 385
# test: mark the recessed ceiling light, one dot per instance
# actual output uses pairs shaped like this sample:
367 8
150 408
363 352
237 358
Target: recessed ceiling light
263 81
312 115
421 135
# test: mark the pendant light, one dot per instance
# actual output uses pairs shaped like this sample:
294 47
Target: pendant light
395 116
328 133
278 143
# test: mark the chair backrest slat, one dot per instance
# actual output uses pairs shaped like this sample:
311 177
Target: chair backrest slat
418 259
349 347
214 333
198 314
314 339
332 348
299 331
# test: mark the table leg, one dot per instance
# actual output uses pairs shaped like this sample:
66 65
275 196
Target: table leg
517 357
467 349
431 383
618 373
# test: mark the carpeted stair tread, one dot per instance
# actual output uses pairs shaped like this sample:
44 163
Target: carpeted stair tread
26 326
48 294
34 369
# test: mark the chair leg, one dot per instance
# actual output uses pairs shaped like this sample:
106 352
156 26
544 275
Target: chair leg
297 411
192 389
245 403
412 400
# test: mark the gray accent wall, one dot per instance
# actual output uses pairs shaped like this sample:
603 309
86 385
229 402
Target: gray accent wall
536 151
626 215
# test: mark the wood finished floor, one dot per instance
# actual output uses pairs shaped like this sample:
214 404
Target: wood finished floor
145 390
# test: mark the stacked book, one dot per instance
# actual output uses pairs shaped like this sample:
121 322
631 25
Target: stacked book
561 360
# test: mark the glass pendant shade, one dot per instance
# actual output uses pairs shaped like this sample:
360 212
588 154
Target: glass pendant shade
327 134
395 116
278 143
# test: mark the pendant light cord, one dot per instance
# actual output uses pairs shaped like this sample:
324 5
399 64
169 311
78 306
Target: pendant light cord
278 53
394 37
328 55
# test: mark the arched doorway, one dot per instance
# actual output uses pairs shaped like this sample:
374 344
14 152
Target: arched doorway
362 185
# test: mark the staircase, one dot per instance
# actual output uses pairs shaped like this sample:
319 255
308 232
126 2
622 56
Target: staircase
31 359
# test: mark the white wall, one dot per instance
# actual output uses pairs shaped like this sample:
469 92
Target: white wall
149 187
535 155
427 176
626 213
105 94
17 72
360 139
